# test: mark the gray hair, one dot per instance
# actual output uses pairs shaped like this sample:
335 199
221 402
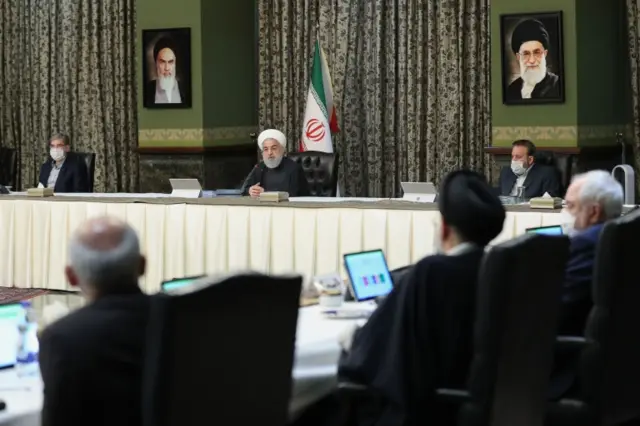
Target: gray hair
117 266
60 137
603 189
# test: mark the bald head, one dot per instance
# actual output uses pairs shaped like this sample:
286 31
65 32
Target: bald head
105 257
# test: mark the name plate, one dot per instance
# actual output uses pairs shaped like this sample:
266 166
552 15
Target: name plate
420 198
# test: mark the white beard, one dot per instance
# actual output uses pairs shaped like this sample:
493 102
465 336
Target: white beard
166 83
533 76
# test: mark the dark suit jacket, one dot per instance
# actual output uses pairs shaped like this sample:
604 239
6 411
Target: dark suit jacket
150 93
549 87
576 305
91 363
73 176
540 179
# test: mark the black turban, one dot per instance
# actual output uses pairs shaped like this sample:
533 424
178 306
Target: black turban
529 30
468 204
163 43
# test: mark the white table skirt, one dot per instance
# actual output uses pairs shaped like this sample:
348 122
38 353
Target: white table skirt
191 239
314 371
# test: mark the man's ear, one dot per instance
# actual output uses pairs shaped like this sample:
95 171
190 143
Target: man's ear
71 276
143 265
445 230
518 56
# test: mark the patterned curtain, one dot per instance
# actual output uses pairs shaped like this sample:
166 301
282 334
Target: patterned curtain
69 66
633 20
410 79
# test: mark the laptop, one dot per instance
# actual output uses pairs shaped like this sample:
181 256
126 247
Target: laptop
9 336
369 281
546 230
175 283
423 192
185 188
369 275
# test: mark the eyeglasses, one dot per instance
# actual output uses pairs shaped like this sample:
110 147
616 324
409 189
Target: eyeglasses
536 54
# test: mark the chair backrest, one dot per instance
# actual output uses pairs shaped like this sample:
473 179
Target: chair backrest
321 171
90 160
8 167
222 354
610 364
515 330
562 165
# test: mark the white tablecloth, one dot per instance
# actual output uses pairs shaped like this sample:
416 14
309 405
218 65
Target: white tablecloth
314 371
191 239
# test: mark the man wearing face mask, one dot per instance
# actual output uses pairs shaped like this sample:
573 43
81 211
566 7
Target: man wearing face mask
276 172
592 199
64 171
537 179
530 44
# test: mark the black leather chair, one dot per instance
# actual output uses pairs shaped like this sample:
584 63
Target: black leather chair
90 160
563 165
8 167
515 330
222 353
321 170
609 373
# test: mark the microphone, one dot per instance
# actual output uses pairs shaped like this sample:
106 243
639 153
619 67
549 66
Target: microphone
259 170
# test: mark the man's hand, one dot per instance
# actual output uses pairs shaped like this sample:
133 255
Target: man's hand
256 190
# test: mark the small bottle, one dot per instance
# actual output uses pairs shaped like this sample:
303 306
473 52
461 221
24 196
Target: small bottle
28 345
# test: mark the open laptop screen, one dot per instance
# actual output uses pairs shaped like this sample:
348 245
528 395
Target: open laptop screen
546 230
369 274
9 335
178 282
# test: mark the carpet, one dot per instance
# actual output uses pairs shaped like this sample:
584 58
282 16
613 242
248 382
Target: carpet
13 294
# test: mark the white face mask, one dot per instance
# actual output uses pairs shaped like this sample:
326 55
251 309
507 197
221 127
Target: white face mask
517 167
57 154
568 223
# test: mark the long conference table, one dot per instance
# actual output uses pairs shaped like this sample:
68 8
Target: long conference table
187 237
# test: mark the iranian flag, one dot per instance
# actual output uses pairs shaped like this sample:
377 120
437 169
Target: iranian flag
320 119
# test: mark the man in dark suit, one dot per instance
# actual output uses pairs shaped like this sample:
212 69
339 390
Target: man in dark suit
524 172
591 200
91 360
65 171
530 44
420 336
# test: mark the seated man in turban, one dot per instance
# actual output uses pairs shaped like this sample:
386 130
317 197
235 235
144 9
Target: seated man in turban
420 337
530 43
276 172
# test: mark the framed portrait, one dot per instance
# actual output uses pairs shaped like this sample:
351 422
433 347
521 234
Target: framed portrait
532 62
166 68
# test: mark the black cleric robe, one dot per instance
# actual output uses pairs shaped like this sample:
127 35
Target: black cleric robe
417 340
549 87
287 177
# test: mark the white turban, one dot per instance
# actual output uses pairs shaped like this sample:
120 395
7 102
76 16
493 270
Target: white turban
272 134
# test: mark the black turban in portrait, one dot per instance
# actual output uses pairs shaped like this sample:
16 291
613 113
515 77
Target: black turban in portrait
468 204
529 30
163 43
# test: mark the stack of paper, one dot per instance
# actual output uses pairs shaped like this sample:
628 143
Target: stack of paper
274 196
